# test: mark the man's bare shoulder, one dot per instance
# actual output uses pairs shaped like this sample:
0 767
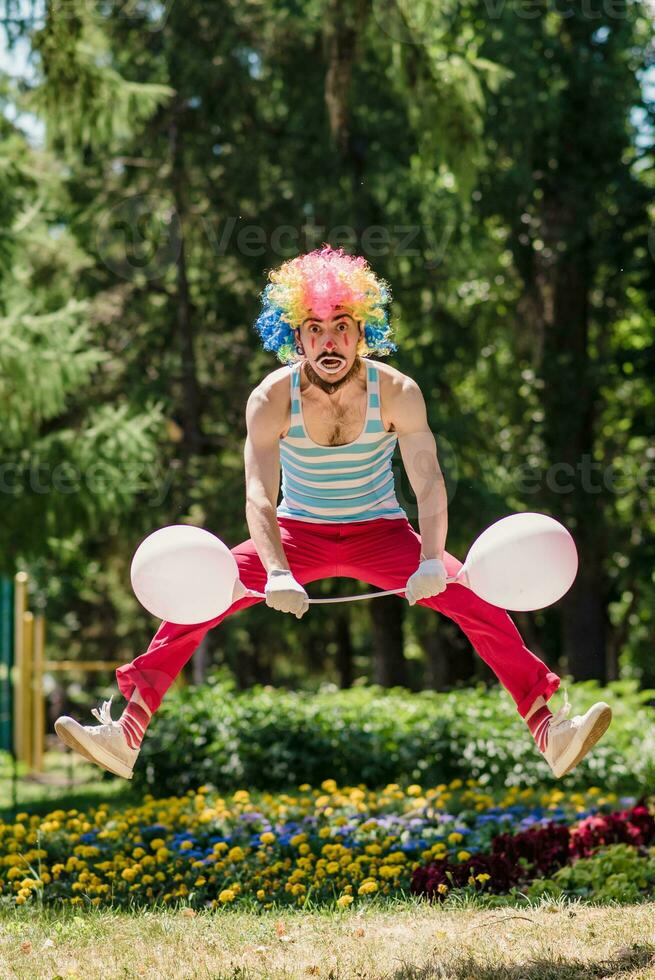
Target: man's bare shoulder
392 381
274 385
269 403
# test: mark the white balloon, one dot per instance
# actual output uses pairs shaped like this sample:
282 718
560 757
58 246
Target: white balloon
522 562
184 574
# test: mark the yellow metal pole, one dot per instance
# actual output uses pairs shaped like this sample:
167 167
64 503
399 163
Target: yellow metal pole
20 606
38 709
27 726
50 665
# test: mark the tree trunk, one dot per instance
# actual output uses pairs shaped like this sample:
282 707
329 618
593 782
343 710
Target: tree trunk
445 664
191 400
199 661
585 622
343 22
389 664
557 295
344 657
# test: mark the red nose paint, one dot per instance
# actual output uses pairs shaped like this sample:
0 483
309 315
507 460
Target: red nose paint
345 340
313 343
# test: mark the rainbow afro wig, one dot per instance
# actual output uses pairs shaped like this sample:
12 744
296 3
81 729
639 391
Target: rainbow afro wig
316 284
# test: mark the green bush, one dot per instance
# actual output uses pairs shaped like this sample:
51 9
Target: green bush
271 738
618 873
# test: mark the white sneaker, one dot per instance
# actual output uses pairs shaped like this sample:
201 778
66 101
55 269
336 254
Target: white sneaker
105 744
569 740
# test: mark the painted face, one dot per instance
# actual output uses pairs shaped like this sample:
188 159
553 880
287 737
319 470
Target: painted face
330 345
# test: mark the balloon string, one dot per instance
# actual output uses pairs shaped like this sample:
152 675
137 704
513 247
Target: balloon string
250 593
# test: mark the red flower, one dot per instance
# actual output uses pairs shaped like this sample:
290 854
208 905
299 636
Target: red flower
516 858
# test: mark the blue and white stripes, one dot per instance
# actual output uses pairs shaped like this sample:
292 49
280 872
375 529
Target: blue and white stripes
338 483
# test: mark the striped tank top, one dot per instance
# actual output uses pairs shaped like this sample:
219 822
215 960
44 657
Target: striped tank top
354 482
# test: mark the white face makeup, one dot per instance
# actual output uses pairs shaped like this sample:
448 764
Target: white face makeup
330 345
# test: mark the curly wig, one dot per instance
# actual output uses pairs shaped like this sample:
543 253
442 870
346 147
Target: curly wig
316 284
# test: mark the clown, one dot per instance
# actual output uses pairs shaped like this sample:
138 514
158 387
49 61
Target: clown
329 419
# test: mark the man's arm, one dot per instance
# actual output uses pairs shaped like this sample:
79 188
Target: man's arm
418 450
265 422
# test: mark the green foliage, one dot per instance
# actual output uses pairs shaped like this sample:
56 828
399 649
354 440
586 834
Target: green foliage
86 101
618 873
268 739
499 157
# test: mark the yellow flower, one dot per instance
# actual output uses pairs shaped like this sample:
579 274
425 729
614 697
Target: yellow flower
261 893
344 900
241 796
298 839
442 889
387 872
157 843
483 877
186 845
220 848
324 832
304 849
227 895
267 838
463 855
413 790
129 874
455 837
329 786
456 784
200 881
332 867
396 857
236 854
367 888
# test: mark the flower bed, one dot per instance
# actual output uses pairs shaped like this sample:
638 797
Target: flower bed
323 845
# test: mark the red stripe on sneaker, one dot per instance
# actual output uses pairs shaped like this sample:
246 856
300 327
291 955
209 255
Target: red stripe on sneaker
137 713
541 735
131 735
539 724
134 722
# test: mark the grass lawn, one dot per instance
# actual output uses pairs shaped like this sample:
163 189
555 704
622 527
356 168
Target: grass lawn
397 941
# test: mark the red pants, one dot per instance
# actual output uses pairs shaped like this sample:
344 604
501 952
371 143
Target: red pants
381 552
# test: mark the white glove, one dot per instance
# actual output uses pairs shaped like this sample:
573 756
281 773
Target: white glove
285 594
428 580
